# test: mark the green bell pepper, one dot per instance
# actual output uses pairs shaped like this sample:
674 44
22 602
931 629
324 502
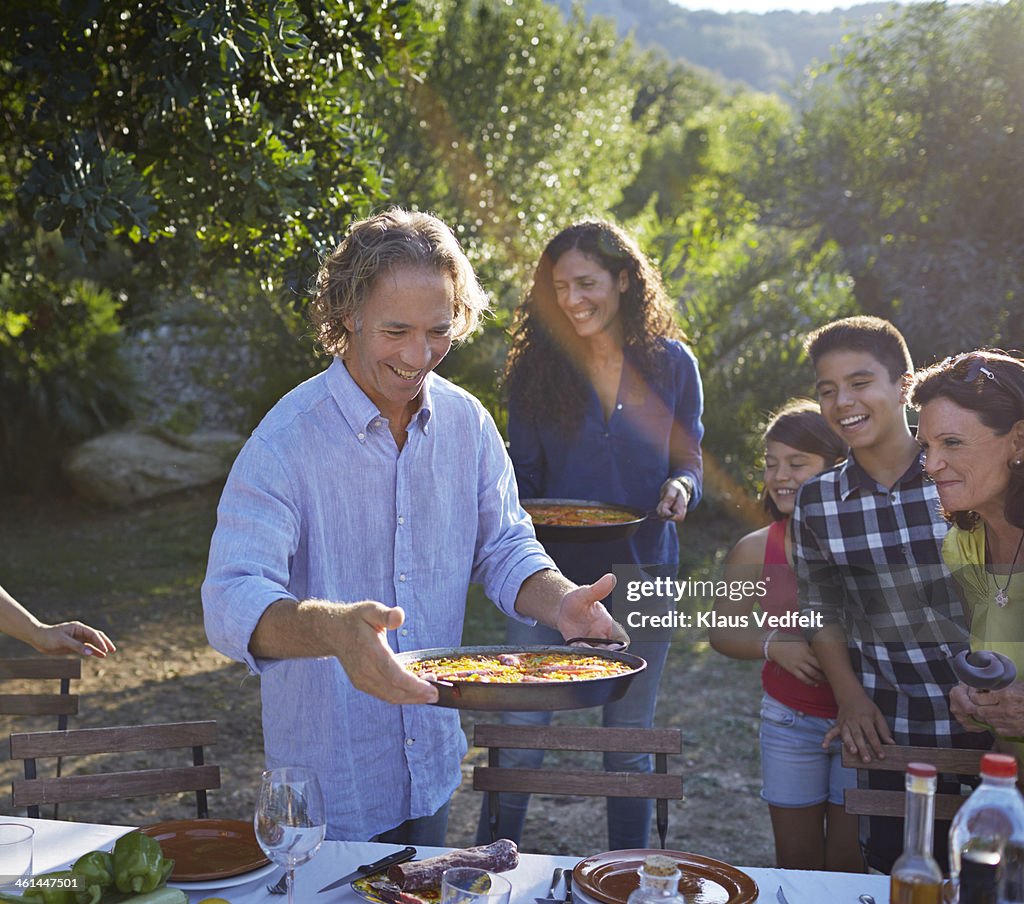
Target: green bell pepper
139 864
95 871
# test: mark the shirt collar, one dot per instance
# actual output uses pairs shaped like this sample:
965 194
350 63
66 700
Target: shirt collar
853 477
356 408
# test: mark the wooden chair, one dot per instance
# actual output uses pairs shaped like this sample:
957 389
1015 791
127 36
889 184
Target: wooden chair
874 802
61 704
659 785
32 791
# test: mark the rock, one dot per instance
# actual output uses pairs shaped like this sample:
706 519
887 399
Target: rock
127 466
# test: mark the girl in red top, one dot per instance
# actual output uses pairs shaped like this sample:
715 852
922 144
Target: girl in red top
802 780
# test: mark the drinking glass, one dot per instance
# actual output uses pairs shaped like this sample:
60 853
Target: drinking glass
15 851
290 819
466 885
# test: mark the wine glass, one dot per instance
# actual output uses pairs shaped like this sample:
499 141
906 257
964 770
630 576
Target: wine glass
290 819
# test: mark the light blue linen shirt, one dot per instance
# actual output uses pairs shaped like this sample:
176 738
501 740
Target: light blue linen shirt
320 504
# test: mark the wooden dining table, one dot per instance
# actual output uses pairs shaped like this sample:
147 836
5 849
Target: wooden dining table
59 843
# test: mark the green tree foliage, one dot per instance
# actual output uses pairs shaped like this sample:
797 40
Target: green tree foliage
909 157
219 133
749 291
169 145
522 123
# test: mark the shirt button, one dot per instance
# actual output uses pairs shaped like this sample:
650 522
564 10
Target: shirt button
401 520
401 577
618 407
376 423
409 742
405 632
362 437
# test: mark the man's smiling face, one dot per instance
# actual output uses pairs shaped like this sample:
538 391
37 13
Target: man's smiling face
401 334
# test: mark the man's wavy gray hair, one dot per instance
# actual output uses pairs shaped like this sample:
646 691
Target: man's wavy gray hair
377 245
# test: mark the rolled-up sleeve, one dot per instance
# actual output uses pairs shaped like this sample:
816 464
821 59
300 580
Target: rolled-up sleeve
507 551
256 536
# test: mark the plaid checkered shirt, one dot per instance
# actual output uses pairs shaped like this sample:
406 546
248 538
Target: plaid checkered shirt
869 558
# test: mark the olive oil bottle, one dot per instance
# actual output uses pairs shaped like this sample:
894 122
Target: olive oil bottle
916 877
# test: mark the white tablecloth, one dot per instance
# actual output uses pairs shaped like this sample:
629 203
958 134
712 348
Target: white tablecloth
57 843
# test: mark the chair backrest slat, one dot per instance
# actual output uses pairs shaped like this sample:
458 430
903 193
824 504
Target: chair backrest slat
583 784
118 739
875 802
104 786
945 759
582 738
38 704
11 669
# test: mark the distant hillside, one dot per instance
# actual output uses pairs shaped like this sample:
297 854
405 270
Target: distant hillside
767 52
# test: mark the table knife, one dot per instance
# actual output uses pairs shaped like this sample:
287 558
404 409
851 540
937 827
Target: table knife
567 875
369 869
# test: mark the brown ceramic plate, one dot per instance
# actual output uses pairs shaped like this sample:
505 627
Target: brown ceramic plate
205 849
611 876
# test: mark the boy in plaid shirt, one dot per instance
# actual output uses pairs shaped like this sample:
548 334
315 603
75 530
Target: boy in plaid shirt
867 547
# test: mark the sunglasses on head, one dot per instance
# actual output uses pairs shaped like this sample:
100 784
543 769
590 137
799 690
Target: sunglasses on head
972 367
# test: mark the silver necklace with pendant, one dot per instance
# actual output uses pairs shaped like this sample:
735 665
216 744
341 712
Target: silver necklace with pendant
1001 597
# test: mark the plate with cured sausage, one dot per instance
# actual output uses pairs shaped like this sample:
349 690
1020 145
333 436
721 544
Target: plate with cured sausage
510 678
419 881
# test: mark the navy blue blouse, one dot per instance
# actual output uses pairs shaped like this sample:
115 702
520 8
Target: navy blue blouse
654 433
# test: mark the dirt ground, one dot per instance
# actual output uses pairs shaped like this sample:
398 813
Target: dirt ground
137 573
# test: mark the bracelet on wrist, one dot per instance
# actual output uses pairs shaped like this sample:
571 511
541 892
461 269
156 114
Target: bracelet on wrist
769 637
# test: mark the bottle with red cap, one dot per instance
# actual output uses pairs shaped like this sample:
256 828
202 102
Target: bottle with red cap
987 833
916 877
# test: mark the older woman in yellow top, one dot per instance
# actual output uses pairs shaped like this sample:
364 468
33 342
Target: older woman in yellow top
972 430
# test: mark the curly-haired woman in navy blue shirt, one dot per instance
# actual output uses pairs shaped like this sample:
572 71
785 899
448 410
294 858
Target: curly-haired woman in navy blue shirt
605 403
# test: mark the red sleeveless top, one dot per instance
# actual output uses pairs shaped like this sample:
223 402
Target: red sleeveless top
780 599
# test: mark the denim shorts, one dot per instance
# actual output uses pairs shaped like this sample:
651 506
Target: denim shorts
795 771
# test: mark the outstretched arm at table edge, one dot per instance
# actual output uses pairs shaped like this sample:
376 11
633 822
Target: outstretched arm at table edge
576 611
354 633
859 722
54 640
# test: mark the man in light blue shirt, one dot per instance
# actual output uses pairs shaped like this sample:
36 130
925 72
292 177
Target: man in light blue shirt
351 525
